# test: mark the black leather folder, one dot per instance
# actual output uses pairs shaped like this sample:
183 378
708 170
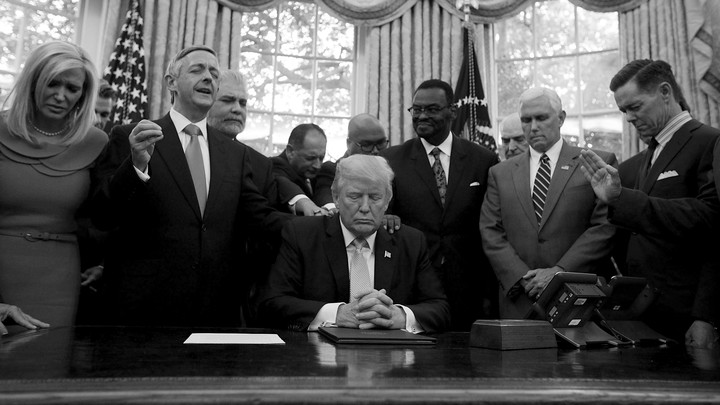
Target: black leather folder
375 336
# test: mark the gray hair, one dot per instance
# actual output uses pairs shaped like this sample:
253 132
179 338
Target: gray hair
536 92
173 68
363 167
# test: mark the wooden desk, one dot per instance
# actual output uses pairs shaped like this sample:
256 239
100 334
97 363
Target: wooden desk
115 364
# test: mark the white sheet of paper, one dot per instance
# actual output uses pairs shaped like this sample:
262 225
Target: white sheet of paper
234 339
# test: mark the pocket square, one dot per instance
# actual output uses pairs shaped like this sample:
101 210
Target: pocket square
474 184
667 174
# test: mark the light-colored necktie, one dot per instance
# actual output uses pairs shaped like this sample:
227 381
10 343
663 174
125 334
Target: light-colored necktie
359 273
439 174
194 157
541 186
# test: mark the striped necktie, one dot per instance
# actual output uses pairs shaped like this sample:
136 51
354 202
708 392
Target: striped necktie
540 188
195 163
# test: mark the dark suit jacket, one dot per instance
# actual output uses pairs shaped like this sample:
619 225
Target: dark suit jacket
282 169
312 270
452 231
167 264
574 233
668 223
323 182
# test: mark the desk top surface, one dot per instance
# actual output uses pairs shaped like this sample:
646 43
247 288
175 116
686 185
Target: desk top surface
121 362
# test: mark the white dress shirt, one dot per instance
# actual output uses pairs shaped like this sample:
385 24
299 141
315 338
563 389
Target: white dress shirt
446 149
664 136
180 122
553 154
328 313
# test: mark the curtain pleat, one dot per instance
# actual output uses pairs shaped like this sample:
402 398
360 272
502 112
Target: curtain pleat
425 43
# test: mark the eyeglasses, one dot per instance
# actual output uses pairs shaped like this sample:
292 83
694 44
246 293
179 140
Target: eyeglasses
429 110
369 147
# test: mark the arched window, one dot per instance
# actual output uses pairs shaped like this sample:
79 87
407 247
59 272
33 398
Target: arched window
573 51
26 24
299 64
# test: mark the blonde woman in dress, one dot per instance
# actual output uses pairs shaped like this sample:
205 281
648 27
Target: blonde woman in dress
48 145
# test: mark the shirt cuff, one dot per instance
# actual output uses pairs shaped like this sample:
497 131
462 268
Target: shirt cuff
142 175
326 314
329 206
294 200
411 324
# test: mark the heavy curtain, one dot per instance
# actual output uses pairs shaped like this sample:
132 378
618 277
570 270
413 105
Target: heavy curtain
172 25
414 40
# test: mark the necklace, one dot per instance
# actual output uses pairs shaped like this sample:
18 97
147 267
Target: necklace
47 133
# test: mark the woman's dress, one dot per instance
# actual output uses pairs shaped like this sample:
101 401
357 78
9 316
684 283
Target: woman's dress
41 188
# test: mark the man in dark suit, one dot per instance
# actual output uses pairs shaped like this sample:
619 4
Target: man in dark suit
347 270
177 207
301 160
365 135
539 219
228 115
665 202
443 200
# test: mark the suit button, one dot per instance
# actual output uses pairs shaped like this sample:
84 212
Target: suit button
204 228
541 240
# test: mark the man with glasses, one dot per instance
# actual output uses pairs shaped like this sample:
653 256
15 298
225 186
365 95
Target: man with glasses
440 182
365 136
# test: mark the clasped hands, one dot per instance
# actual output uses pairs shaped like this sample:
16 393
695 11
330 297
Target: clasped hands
371 309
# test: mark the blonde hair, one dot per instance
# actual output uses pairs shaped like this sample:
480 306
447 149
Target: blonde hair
43 65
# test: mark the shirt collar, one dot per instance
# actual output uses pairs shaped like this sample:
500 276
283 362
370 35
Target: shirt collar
553 153
181 122
445 147
664 136
350 237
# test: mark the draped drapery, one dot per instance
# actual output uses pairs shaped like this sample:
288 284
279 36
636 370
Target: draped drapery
172 25
411 41
425 43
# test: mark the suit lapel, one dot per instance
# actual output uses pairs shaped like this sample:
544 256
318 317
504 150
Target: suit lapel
218 157
385 259
458 164
170 150
423 169
566 165
336 253
672 148
521 180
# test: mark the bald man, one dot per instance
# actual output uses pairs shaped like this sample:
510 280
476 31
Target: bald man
512 136
365 136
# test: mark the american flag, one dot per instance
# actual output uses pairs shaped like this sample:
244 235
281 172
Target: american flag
470 99
126 70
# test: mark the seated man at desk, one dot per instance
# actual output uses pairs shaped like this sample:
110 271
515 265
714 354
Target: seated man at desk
347 270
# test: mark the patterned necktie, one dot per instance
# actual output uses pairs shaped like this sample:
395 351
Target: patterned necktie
540 188
647 162
359 273
195 163
439 174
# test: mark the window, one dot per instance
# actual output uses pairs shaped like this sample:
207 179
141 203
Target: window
299 63
573 51
26 24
